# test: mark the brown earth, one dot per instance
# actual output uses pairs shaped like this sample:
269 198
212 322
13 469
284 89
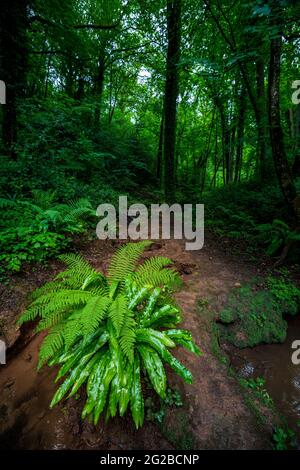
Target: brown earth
214 415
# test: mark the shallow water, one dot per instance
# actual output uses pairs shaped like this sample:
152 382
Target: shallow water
273 362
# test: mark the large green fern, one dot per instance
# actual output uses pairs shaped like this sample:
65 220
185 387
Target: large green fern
107 331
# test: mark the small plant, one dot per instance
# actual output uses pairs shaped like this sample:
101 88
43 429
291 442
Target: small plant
257 385
283 438
156 412
285 292
107 331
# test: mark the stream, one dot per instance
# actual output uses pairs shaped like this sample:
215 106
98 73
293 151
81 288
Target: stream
273 363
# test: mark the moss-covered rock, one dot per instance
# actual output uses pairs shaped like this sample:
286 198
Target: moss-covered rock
252 317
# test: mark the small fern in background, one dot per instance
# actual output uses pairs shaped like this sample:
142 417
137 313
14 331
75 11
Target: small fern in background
106 332
38 228
45 214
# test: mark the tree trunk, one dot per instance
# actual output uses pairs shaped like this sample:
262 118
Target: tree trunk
281 164
296 164
261 119
13 64
240 136
159 159
171 94
99 86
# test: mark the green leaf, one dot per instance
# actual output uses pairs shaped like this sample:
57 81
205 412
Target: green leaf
155 369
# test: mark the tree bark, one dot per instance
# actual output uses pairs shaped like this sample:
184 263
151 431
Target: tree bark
159 158
99 84
13 64
171 95
281 164
261 119
240 136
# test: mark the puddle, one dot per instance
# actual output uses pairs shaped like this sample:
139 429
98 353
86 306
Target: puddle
273 363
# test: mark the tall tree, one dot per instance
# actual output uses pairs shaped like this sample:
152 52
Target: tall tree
171 95
281 163
13 64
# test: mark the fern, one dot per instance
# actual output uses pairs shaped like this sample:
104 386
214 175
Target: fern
125 259
104 332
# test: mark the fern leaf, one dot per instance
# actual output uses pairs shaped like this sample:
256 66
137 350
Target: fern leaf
117 311
124 260
51 344
128 336
93 313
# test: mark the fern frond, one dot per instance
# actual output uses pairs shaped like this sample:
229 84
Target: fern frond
51 344
43 199
128 337
79 270
50 320
125 259
93 314
161 278
7 203
117 311
55 302
61 299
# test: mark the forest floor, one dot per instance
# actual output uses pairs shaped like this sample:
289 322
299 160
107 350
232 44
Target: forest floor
215 413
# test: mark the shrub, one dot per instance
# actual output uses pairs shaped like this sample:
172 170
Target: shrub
107 331
37 228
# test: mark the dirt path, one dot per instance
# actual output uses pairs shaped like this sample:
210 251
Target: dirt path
214 415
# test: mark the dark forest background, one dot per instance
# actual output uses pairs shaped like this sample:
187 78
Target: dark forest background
186 101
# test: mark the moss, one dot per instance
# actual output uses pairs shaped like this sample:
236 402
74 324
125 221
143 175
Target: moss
227 316
179 435
252 317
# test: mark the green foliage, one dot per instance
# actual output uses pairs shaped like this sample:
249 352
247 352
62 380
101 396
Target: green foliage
283 438
276 235
107 331
26 245
286 293
156 412
257 385
37 228
246 211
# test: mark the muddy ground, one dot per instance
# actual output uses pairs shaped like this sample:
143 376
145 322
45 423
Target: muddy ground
215 414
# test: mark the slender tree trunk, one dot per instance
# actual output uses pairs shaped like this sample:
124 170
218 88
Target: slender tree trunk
296 134
99 86
171 94
240 136
261 119
13 64
159 158
281 164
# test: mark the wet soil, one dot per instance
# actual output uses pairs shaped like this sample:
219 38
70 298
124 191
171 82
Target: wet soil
214 416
